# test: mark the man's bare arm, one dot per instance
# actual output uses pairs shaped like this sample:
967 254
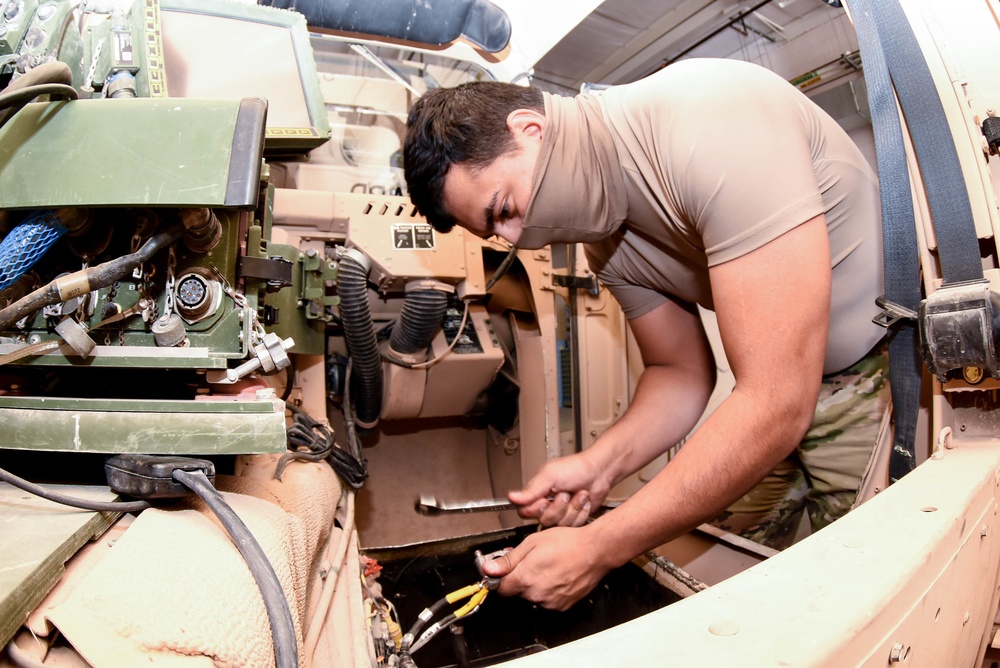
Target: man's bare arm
671 395
773 310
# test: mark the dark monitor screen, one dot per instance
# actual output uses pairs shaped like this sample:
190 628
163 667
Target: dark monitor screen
226 50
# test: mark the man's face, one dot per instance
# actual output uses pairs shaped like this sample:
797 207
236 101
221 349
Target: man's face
492 201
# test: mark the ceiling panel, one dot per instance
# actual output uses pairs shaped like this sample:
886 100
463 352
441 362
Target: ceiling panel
624 40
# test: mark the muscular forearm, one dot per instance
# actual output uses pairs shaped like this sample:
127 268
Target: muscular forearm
736 447
667 404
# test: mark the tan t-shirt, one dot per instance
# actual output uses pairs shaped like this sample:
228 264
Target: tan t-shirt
720 157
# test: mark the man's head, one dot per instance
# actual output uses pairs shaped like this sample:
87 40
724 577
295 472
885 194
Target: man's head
469 155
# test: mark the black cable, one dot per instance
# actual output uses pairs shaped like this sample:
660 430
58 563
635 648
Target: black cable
426 615
289 382
47 73
99 506
318 442
278 612
93 278
736 19
22 96
31 92
503 268
353 442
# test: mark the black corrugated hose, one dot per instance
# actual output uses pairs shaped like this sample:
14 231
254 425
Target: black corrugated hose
359 332
419 320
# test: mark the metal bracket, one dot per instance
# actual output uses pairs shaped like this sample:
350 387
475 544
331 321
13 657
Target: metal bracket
276 272
588 282
316 271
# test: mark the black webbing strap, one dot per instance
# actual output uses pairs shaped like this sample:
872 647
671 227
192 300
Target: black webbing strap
944 182
899 241
958 247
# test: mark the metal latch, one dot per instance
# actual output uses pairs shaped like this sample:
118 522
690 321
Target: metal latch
588 282
958 329
891 313
316 272
275 271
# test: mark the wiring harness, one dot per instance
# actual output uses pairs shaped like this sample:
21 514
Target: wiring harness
312 441
476 593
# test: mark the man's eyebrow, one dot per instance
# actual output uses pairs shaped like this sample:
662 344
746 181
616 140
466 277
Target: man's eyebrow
488 211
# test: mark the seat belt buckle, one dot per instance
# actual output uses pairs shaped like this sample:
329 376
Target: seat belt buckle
891 313
958 329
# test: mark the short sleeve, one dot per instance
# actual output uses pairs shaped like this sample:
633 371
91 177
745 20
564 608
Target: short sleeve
740 152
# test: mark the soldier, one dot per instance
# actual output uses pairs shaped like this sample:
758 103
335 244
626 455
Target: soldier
712 183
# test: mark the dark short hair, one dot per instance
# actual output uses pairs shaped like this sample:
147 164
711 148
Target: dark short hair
462 125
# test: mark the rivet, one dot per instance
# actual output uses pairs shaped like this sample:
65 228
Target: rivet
724 628
973 375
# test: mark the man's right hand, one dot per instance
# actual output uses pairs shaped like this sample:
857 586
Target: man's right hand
563 492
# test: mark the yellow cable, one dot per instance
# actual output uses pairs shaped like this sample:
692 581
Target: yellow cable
464 592
473 603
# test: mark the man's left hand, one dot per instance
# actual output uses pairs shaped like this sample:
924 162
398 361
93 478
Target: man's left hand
554 568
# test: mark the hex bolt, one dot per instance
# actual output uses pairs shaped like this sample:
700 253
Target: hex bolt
898 652
270 355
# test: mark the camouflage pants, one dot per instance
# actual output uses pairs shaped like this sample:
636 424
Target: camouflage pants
823 475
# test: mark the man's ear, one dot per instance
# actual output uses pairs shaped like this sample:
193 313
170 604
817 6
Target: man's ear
527 121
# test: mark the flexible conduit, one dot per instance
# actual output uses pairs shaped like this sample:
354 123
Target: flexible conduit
419 320
359 332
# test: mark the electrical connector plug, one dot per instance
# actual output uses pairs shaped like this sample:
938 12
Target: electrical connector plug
151 476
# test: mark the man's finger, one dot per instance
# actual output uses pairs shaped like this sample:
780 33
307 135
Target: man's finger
502 565
537 488
579 510
556 510
534 510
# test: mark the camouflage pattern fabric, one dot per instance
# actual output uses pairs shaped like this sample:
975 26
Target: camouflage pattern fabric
823 475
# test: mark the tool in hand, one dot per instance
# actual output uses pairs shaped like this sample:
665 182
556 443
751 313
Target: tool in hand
476 593
430 505
489 582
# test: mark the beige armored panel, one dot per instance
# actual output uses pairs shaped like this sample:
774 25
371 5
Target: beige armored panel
402 245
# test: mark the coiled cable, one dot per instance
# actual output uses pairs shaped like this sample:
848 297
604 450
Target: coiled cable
312 441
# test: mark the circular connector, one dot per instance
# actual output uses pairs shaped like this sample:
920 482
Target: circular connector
198 296
192 291
169 331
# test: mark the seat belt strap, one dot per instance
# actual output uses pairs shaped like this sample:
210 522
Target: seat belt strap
899 239
944 182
